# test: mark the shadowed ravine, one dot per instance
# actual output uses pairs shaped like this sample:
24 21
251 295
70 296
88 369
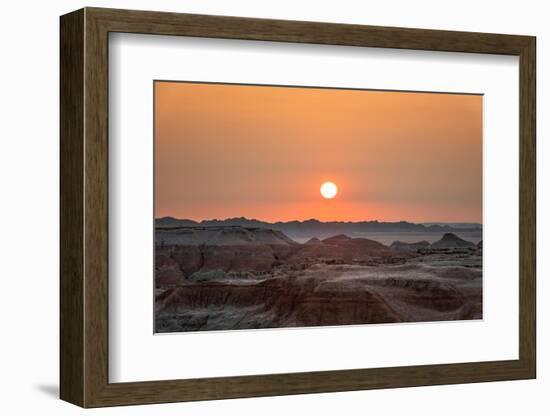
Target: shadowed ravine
234 277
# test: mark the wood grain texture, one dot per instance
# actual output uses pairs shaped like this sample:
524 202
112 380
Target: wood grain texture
527 207
162 23
84 207
96 207
71 202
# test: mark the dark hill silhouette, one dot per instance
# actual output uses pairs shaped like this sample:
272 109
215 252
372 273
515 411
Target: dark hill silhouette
450 240
315 228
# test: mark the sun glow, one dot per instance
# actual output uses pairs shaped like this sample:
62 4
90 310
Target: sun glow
329 190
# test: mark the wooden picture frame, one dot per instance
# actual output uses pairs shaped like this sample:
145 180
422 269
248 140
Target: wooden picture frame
84 207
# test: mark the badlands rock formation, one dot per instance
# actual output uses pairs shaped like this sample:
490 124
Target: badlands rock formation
234 277
450 240
409 247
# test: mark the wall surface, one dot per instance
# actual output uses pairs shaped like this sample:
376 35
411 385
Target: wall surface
29 224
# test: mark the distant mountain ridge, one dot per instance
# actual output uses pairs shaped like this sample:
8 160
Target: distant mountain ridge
320 229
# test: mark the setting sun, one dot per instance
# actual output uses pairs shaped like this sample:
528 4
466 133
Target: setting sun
329 190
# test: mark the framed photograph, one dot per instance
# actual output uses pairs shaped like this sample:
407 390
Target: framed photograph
254 207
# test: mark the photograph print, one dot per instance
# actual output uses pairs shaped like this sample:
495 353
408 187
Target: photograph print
288 206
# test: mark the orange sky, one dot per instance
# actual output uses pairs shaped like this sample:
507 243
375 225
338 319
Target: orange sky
263 152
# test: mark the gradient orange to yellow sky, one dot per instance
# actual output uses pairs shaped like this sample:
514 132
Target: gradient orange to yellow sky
262 152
